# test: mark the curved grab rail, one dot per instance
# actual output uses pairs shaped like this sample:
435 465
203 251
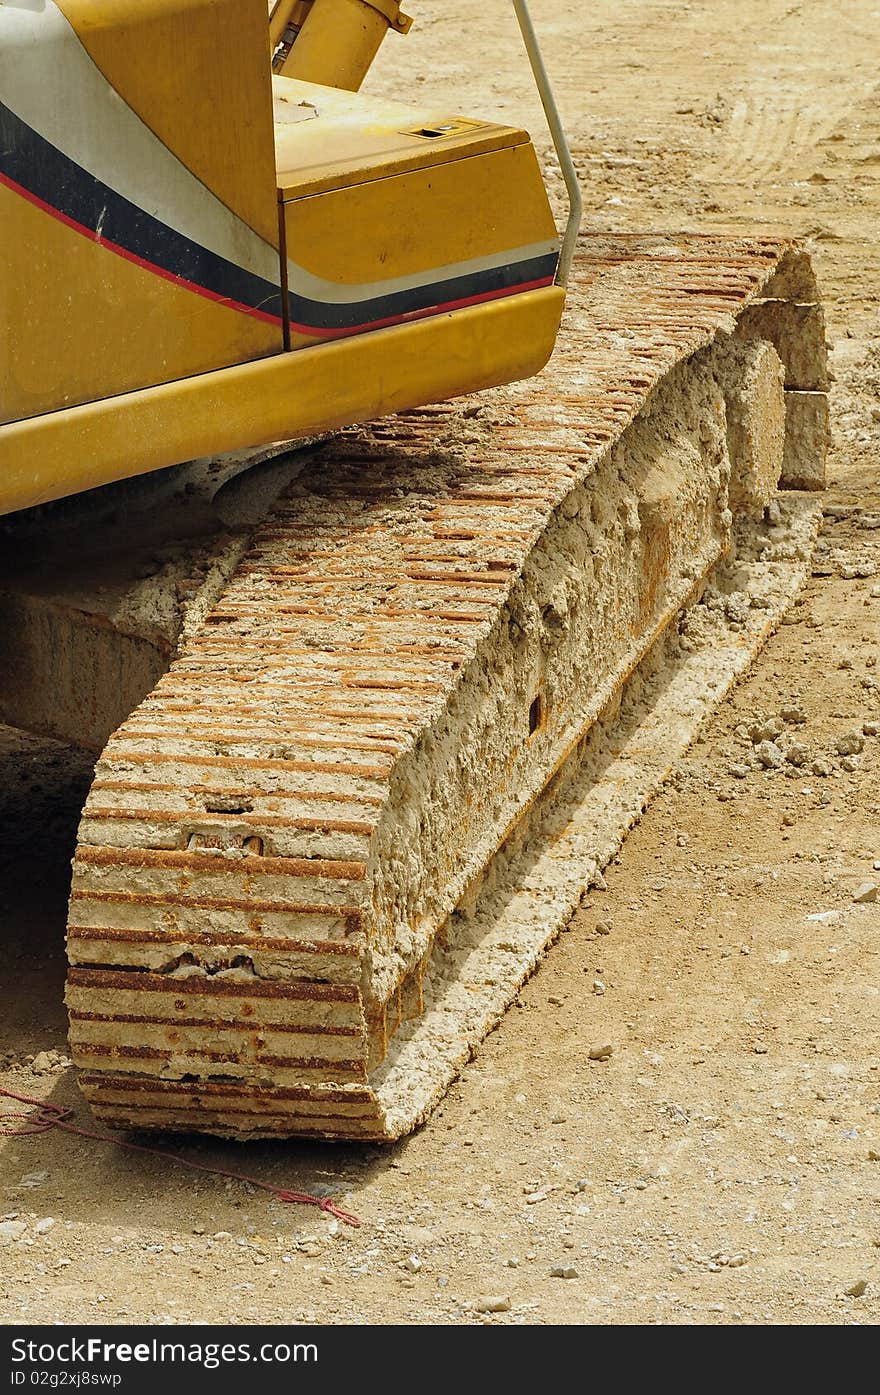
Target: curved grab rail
560 140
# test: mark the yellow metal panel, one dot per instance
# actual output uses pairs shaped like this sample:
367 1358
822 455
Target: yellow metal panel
354 139
78 321
288 395
197 73
372 233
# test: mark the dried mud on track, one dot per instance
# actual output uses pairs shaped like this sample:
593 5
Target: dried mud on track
718 1166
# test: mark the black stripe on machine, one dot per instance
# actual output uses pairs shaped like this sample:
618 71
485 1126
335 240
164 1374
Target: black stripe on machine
70 192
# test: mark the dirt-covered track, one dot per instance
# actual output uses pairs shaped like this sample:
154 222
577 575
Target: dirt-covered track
413 645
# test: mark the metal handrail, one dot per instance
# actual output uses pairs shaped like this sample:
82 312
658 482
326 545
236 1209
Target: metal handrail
560 140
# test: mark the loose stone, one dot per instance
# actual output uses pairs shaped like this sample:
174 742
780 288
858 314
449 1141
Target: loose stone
850 744
797 753
794 715
493 1304
769 755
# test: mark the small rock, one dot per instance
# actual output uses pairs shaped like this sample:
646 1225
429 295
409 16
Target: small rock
33 1179
794 715
49 1060
874 1155
738 771
601 1051
603 927
850 744
857 1289
10 1231
564 1271
871 728
413 1264
44 1226
797 753
865 893
598 987
788 820
822 767
766 731
417 1235
737 1261
769 755
493 1304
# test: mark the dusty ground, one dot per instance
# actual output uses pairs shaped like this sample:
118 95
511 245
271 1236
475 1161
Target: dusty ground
718 1168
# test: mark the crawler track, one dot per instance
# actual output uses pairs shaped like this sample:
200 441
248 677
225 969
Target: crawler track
413 646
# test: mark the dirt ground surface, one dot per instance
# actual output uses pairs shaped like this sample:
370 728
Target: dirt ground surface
724 1164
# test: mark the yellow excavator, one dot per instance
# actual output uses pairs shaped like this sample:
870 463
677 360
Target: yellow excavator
362 746
198 250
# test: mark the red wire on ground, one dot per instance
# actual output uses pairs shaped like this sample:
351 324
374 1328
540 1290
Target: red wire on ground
46 1116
